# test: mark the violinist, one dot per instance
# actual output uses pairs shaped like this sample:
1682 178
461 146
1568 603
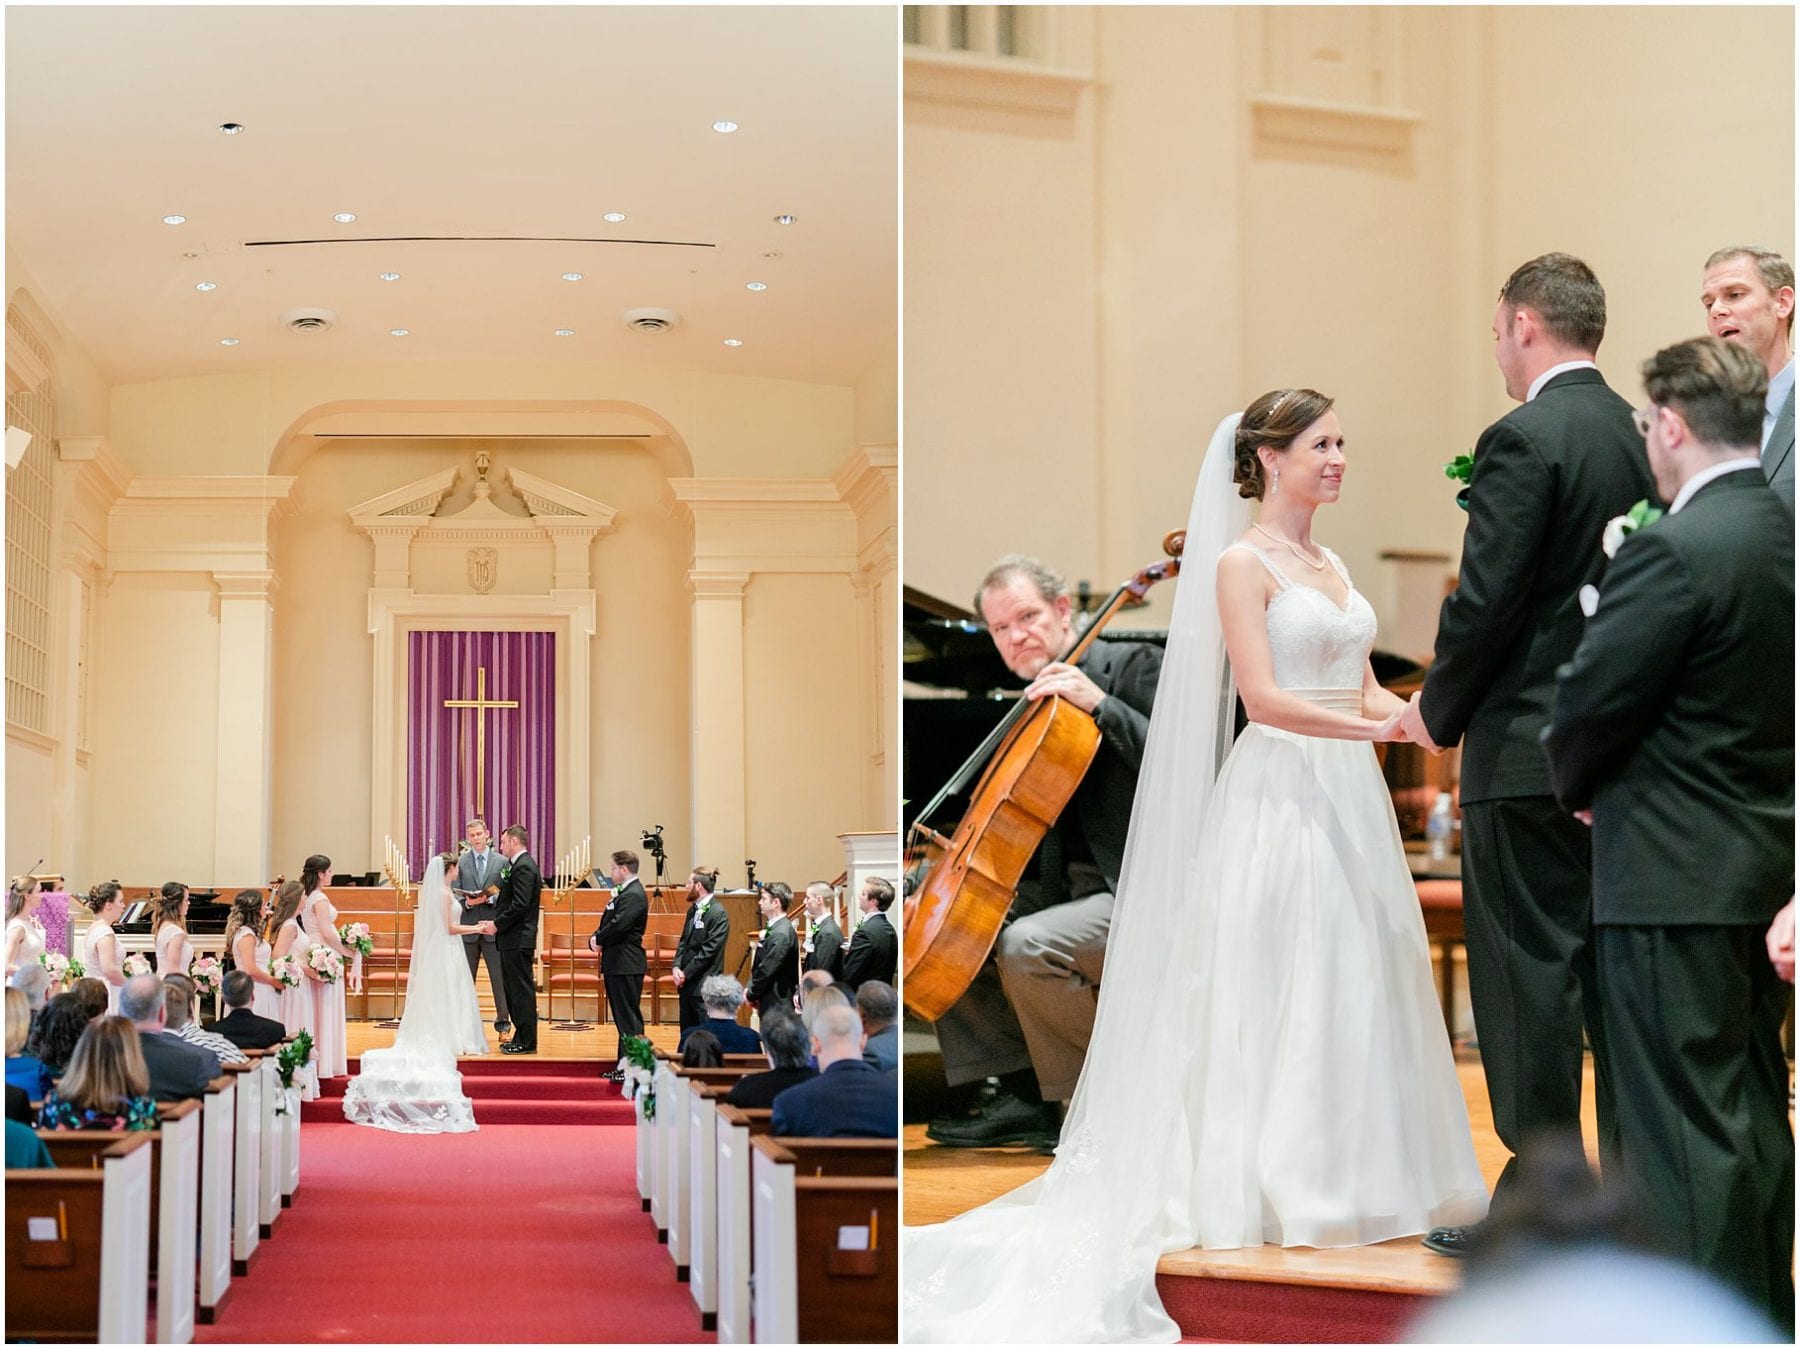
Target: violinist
1027 1017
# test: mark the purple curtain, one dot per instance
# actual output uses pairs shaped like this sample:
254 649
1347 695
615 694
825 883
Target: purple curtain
519 768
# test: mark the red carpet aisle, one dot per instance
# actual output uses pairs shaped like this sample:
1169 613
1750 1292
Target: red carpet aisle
518 1233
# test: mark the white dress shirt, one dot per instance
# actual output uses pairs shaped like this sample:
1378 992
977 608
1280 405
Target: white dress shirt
1537 385
1780 388
1706 475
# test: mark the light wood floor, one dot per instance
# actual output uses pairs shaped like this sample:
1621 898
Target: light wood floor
599 1042
943 1182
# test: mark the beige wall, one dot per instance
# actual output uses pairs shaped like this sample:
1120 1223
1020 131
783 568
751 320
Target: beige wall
1087 295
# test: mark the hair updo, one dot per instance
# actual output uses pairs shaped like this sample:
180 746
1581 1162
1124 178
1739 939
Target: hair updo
1275 420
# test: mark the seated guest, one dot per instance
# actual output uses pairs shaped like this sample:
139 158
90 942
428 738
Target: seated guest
809 981
243 1027
34 982
25 1151
721 996
849 1098
789 1051
178 1071
56 1030
106 1085
18 1106
879 1007
179 997
820 997
700 1049
22 1070
93 995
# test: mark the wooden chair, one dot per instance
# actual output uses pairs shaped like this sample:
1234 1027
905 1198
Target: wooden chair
571 967
659 972
812 1286
78 1248
1442 904
385 968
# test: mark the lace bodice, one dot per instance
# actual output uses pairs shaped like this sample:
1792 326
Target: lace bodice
31 944
1315 645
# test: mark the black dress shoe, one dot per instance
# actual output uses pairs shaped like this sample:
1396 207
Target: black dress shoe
1451 1241
514 1047
1005 1121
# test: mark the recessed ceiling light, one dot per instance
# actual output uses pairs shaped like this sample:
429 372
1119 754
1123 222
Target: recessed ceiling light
613 217
228 341
231 128
206 285
571 276
390 276
399 332
174 220
755 285
344 217
785 219
734 342
565 332
725 128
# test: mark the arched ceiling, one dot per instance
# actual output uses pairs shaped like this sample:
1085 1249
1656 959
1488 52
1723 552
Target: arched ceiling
497 122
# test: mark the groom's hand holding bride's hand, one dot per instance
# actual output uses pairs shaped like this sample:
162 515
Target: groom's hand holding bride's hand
1412 726
486 927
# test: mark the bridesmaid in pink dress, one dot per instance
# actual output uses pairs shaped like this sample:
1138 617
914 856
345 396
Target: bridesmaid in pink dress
250 952
320 920
100 953
24 933
296 1005
174 949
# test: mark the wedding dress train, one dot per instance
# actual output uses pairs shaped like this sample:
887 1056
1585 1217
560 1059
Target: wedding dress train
1269 1061
413 1087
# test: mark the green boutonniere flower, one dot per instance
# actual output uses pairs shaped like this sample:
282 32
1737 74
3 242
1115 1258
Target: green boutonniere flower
1461 469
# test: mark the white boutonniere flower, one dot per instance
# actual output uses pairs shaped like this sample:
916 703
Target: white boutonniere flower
1640 516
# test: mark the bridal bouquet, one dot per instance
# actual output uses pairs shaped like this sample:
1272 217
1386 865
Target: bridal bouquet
135 964
358 938
207 973
324 964
285 970
62 969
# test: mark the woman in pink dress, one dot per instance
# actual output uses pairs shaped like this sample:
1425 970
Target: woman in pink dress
174 949
24 933
250 951
100 953
320 921
295 1010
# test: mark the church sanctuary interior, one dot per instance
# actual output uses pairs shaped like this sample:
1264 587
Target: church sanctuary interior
420 416
1124 223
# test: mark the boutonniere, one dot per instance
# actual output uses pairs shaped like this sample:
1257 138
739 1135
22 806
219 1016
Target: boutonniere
1460 469
506 871
1640 516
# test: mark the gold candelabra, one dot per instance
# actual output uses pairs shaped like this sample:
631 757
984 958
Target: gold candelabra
398 873
568 875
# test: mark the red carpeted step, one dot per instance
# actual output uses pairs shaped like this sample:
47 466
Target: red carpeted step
507 1110
526 1065
532 1086
1246 1311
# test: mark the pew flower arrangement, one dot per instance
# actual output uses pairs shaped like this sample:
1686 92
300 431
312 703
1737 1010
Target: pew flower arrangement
289 1060
323 964
207 973
639 1065
358 938
285 970
135 964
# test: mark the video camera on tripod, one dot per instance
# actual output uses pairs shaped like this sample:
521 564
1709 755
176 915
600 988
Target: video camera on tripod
653 844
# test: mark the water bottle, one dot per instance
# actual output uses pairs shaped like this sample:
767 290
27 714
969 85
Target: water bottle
1438 827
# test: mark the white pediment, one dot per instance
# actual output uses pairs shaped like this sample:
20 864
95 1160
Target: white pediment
414 500
547 499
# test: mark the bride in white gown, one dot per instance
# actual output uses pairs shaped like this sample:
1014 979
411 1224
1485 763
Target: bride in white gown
412 1087
1269 1062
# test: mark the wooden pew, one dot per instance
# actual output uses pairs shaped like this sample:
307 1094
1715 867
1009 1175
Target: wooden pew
218 1127
703 1101
247 1148
174 1203
86 1276
286 1120
270 1143
734 1129
810 1288
678 1164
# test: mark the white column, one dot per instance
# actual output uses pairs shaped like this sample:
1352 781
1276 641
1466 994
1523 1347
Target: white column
246 694
717 765
866 855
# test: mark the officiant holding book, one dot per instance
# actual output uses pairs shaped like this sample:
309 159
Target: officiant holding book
477 874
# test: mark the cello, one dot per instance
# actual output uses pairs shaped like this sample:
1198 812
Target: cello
1025 773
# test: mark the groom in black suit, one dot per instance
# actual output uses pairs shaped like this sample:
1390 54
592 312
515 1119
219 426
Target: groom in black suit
620 941
1674 727
1548 476
515 931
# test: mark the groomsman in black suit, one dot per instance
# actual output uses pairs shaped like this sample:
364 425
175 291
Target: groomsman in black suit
874 951
1673 731
1748 293
824 947
1548 476
777 970
620 941
515 926
701 949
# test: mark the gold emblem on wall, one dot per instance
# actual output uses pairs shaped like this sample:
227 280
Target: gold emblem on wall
484 566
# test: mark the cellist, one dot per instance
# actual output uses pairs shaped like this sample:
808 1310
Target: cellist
1027 1017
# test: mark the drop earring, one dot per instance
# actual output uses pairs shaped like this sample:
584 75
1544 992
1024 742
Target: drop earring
1277 491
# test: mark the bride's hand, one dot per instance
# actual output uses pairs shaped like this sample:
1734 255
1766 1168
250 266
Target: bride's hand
1391 731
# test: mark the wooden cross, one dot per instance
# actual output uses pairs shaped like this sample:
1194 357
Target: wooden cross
481 702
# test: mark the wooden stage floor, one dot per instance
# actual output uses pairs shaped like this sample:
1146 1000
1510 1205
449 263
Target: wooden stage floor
942 1182
598 1042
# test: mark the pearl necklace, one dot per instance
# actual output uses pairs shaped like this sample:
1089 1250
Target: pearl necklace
1293 548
